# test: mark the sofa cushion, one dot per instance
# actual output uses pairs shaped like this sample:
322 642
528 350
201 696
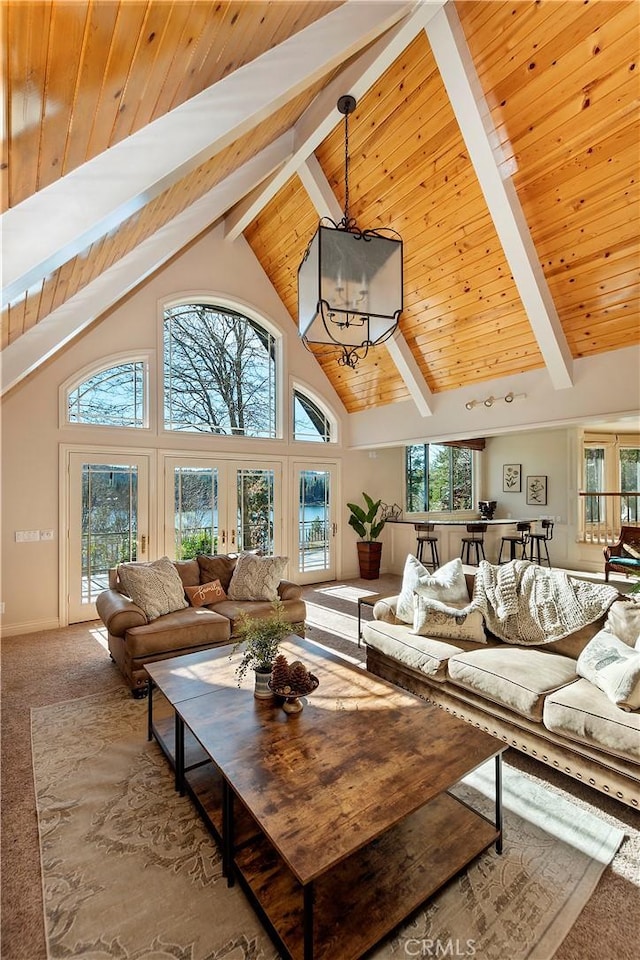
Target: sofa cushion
623 620
439 621
216 568
425 654
205 594
446 584
191 627
583 713
294 611
155 587
256 578
614 668
516 677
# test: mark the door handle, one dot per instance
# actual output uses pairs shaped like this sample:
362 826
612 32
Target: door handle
223 536
143 543
233 538
334 529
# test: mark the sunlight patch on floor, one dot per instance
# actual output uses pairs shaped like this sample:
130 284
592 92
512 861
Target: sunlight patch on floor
346 592
100 634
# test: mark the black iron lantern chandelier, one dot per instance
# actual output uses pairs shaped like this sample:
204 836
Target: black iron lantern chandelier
349 281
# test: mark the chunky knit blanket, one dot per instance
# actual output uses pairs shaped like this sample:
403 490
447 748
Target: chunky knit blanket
524 603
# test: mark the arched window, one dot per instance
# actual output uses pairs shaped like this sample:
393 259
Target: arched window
114 397
309 421
219 372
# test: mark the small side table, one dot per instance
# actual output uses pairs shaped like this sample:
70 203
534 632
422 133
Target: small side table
369 600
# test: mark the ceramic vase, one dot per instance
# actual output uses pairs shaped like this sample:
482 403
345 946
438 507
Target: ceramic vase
262 690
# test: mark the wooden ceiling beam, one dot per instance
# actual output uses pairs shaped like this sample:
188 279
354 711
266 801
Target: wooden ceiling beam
50 227
322 116
458 72
42 341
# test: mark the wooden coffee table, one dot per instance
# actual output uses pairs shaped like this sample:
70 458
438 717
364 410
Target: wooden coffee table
337 821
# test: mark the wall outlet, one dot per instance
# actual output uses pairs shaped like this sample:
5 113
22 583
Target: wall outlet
47 534
27 536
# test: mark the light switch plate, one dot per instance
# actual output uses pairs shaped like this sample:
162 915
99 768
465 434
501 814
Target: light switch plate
47 534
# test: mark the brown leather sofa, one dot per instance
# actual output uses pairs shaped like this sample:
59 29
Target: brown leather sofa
134 640
531 698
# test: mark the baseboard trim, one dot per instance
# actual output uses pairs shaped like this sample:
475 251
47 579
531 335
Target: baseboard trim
29 626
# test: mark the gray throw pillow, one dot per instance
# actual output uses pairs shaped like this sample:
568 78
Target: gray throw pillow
155 587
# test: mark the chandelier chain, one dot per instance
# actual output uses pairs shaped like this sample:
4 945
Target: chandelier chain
346 168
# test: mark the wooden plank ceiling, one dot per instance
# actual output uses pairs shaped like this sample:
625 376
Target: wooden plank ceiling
560 78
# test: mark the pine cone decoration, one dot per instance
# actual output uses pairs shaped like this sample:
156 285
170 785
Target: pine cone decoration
301 681
280 674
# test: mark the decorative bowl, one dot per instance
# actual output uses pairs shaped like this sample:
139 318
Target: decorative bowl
292 699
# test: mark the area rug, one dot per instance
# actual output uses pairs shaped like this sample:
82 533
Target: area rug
130 872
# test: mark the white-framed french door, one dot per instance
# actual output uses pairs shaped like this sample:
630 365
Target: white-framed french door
105 502
314 547
213 505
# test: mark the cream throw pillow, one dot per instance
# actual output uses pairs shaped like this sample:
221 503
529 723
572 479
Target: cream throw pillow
155 587
435 619
614 668
446 584
256 578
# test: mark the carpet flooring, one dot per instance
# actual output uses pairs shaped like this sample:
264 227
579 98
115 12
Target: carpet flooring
47 667
130 871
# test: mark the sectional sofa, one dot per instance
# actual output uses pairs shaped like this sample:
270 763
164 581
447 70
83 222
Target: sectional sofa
531 697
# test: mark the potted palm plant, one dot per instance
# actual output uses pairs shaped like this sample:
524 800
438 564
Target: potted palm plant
260 639
368 524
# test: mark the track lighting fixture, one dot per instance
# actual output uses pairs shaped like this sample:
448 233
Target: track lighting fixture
489 401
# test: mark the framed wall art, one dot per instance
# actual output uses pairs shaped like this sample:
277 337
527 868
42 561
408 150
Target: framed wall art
511 477
536 491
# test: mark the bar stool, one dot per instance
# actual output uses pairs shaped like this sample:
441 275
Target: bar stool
423 529
473 542
519 539
535 540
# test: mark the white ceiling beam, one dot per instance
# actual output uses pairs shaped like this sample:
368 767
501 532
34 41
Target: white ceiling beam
461 81
408 368
60 221
319 189
324 200
46 338
322 116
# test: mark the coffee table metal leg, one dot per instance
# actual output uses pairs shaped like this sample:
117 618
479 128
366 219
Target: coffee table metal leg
308 893
149 709
179 753
499 802
227 833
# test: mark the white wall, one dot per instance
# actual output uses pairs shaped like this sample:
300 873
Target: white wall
32 436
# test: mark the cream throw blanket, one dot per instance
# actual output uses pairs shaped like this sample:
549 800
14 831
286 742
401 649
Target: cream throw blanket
524 603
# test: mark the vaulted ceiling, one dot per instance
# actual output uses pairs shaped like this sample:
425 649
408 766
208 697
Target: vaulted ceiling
499 139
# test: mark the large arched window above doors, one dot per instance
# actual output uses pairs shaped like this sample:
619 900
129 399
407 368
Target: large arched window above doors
113 396
310 421
220 372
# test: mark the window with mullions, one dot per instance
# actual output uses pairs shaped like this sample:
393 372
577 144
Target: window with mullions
439 478
114 397
219 372
309 422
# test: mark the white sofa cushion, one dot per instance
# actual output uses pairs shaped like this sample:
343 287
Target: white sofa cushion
583 713
427 655
516 677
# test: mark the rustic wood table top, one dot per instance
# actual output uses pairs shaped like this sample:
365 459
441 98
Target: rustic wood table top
360 757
